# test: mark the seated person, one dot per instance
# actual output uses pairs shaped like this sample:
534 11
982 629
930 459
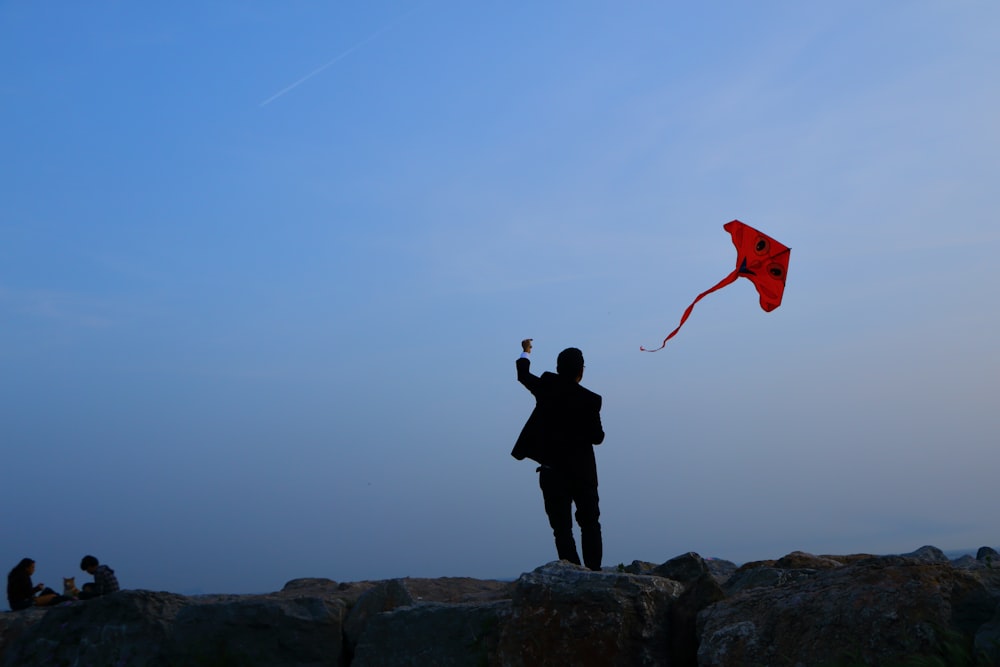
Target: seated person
22 594
104 579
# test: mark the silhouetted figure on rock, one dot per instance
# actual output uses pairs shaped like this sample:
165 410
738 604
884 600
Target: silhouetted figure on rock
560 435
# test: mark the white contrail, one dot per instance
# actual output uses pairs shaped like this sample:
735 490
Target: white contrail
337 59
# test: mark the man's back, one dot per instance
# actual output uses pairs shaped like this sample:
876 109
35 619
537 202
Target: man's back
560 434
564 425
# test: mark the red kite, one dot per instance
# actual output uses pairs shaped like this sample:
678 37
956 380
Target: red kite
758 257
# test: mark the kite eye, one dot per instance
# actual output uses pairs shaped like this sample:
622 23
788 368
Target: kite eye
776 270
762 246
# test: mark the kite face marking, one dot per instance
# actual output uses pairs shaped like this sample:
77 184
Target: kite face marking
760 259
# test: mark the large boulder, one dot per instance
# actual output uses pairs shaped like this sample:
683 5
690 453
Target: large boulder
720 569
385 596
987 639
989 556
15 624
150 629
433 633
563 614
871 612
259 630
125 628
685 568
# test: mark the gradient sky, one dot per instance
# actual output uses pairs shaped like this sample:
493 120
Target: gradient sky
265 267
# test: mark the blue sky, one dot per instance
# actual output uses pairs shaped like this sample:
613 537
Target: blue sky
264 269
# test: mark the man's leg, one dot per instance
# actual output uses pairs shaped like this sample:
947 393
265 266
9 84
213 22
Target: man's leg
587 514
559 507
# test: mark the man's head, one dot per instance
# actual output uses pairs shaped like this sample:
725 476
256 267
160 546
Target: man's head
89 564
570 363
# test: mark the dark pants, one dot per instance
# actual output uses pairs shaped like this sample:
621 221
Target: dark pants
561 492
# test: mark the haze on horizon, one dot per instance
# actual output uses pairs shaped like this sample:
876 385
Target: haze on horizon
244 342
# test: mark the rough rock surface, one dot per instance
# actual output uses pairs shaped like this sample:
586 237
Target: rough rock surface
562 614
798 610
159 629
433 633
876 611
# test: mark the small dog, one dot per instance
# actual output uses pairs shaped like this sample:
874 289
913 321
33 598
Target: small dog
69 587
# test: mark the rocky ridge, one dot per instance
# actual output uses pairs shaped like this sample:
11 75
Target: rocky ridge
798 610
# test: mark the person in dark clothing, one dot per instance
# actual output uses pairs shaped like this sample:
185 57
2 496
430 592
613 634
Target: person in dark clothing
104 579
21 593
560 436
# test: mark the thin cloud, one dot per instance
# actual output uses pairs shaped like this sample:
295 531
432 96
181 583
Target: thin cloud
321 68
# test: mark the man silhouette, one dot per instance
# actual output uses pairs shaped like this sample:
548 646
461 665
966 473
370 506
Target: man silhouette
560 435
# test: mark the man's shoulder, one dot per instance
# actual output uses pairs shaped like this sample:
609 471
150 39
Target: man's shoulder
591 395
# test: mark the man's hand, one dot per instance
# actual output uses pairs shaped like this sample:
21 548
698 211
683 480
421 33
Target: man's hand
526 344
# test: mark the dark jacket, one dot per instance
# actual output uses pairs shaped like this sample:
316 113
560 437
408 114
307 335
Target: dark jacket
20 590
563 427
105 580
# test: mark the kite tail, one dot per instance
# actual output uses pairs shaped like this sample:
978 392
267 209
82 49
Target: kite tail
722 283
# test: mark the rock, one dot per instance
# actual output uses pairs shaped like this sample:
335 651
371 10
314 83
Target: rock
458 589
433 633
850 559
967 562
800 560
145 628
690 567
763 577
987 639
685 568
128 627
385 596
274 630
563 614
800 609
721 569
637 567
389 595
989 556
788 569
311 585
14 625
876 611
701 588
324 588
928 553
986 561
683 639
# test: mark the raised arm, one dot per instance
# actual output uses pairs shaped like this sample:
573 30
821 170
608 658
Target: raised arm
524 375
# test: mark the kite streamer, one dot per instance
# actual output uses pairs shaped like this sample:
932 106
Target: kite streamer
759 258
